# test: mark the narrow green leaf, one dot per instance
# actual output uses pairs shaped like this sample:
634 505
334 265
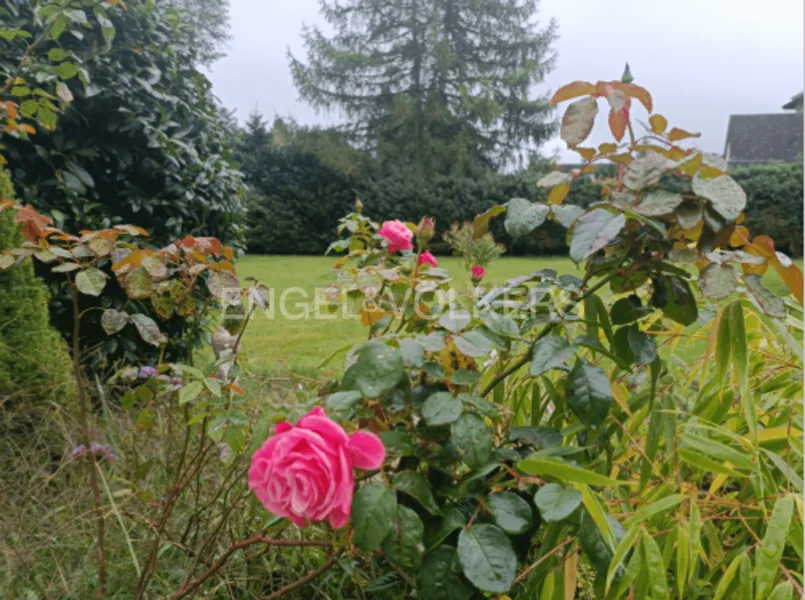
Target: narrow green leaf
628 541
728 577
767 557
542 465
649 510
658 580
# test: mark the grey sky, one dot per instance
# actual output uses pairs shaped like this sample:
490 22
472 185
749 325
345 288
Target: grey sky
702 60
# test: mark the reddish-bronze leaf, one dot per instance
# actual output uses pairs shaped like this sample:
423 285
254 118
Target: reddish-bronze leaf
617 122
635 91
572 90
790 273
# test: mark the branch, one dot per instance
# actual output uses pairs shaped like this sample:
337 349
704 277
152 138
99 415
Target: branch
302 581
258 539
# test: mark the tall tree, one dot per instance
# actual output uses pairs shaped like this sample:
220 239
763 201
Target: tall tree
444 84
208 22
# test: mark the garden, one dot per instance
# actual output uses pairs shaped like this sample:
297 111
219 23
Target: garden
557 384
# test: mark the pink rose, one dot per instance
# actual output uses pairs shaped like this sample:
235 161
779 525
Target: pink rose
478 273
304 472
397 235
427 257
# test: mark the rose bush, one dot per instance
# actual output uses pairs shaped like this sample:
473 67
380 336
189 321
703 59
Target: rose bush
304 472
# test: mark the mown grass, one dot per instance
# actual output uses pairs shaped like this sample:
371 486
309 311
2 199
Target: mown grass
280 345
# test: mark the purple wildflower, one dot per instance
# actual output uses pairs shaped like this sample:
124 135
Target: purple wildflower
147 372
102 450
78 452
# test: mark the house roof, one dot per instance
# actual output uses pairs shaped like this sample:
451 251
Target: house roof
794 103
763 138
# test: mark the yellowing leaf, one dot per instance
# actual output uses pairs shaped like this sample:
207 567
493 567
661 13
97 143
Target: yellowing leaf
559 193
677 134
658 123
739 237
586 153
607 148
572 90
635 91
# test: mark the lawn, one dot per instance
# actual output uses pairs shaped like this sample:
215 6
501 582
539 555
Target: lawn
278 344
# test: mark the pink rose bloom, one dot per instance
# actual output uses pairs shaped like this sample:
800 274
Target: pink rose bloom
428 258
304 472
478 273
397 235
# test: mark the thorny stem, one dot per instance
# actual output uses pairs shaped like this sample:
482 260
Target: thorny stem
257 539
84 416
303 580
542 559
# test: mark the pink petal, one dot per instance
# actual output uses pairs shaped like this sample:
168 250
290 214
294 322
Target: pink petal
282 427
338 518
366 450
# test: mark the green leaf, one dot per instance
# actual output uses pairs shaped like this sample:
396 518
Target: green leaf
746 579
589 393
415 485
343 401
627 543
657 577
645 171
726 196
501 325
594 543
453 520
56 54
783 591
90 281
464 377
439 578
593 232
540 437
190 392
768 302
642 345
66 70
657 203
472 439
455 320
739 349
487 558
718 281
728 577
138 284
29 107
718 451
473 344
146 420
551 352
681 306
404 544
566 214
554 178
510 512
627 310
578 120
767 557
373 511
413 352
706 464
523 217
147 328
378 369
542 466
441 409
113 320
235 439
556 502
649 510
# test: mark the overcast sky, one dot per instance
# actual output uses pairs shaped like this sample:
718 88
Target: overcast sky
702 60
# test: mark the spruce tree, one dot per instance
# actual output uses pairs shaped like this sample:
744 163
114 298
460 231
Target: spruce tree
34 363
445 85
